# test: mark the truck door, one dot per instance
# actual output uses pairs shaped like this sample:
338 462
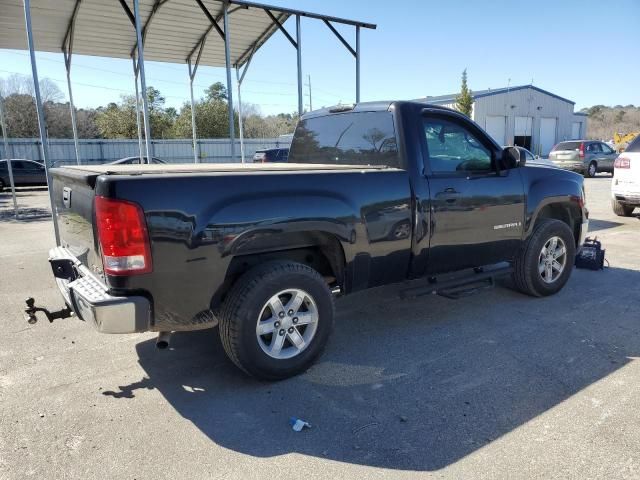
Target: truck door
477 210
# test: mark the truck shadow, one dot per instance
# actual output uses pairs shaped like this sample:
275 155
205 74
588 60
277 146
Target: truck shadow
415 384
596 225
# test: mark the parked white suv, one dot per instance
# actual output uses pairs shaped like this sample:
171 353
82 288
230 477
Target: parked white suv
625 187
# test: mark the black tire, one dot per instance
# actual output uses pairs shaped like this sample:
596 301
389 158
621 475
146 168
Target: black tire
620 209
1 185
526 276
244 303
591 172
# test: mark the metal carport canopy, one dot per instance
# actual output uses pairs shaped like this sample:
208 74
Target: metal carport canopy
172 32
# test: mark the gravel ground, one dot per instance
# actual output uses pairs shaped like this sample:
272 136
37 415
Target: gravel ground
496 385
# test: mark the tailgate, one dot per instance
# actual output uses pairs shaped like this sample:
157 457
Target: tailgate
73 196
564 156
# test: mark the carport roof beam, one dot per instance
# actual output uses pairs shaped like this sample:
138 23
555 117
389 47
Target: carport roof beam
169 35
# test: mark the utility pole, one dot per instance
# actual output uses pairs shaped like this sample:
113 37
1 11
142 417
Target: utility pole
309 85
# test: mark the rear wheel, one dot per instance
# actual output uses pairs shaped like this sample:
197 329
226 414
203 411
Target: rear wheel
544 264
277 319
620 209
592 169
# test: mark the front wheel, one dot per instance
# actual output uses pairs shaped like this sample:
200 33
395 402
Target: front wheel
544 264
277 319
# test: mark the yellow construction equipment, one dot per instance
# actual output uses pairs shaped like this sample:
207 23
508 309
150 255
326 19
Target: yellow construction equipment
621 140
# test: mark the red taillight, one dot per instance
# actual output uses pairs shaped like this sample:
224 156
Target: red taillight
622 162
123 237
582 150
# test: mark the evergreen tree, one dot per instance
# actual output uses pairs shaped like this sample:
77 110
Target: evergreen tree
464 101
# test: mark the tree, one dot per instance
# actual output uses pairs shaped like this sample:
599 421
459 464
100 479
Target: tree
119 120
216 91
464 101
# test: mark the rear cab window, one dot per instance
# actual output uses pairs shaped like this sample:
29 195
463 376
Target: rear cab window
354 138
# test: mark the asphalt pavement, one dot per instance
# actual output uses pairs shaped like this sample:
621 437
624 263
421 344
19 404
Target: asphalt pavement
497 385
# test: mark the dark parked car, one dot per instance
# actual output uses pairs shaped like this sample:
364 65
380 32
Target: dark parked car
584 156
136 161
375 193
25 173
271 155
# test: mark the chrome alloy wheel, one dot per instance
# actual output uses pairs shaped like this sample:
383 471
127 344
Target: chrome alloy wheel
552 260
287 323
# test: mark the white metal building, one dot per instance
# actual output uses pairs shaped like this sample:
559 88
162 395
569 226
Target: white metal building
526 115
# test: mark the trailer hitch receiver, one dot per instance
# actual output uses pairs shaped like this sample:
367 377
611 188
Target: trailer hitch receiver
30 312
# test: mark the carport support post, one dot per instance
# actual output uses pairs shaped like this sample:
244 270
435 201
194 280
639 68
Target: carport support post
357 63
42 126
8 157
239 82
227 58
74 125
135 76
299 61
196 157
143 81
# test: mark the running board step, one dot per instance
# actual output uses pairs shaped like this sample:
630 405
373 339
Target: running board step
458 287
454 293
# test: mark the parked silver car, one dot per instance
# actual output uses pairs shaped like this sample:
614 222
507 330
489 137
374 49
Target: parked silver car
584 156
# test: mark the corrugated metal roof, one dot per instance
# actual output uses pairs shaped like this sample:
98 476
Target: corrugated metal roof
492 91
103 28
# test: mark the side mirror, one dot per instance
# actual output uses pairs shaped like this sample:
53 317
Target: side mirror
512 158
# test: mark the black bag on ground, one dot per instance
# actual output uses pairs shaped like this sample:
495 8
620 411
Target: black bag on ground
591 255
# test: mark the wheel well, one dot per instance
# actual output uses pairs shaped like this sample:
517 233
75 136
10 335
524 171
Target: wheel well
325 255
565 212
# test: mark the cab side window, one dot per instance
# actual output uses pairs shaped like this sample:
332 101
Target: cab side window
606 148
452 148
594 148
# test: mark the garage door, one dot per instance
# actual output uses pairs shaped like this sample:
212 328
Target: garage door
547 135
523 126
495 126
575 130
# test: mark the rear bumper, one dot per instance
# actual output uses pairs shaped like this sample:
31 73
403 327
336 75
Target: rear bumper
628 198
574 167
89 298
625 190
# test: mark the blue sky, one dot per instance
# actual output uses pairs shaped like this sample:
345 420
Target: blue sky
582 50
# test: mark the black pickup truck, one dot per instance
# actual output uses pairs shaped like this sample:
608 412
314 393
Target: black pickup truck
374 194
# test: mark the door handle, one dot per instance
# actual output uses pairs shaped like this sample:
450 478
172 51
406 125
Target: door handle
449 195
